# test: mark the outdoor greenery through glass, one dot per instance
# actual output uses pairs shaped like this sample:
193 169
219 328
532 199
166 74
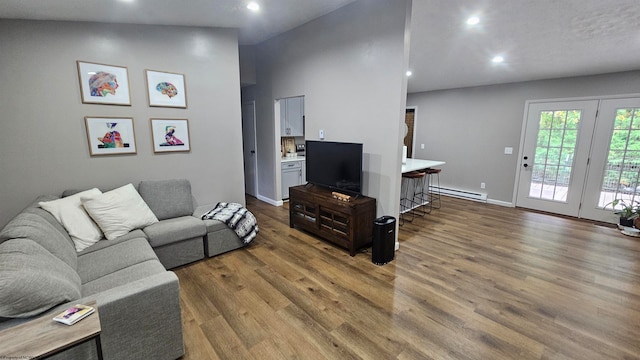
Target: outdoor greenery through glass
622 170
555 149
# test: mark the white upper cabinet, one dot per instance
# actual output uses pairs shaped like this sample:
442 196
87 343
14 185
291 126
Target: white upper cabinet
292 116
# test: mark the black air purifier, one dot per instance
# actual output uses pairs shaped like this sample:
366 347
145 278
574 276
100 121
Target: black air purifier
384 240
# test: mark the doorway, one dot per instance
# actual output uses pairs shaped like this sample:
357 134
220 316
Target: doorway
578 156
249 148
409 129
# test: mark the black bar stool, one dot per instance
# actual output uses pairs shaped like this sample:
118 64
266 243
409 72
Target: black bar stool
413 194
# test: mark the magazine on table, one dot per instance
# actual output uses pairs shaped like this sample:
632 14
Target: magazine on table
74 314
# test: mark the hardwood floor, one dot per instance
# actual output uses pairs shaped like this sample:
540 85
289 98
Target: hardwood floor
470 281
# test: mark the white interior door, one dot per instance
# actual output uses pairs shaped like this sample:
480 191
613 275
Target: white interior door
555 154
614 171
249 149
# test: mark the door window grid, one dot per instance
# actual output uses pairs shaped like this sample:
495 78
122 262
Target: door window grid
621 179
555 149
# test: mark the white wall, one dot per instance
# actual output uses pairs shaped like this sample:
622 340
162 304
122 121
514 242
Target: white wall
43 143
470 127
350 67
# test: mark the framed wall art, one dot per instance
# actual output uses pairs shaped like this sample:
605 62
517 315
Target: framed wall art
103 84
170 135
166 89
110 135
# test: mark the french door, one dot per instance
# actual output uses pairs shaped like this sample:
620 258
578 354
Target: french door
553 164
615 159
578 156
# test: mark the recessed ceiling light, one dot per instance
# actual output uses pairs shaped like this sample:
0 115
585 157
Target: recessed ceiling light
474 20
497 59
253 6
409 73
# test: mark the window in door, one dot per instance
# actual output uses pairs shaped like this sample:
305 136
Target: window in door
621 179
554 152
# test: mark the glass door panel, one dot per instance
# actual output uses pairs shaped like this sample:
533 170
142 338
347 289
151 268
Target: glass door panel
553 159
615 159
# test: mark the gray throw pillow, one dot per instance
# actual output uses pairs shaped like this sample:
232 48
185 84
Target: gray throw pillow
167 198
33 280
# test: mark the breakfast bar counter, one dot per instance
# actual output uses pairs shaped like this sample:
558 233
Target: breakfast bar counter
416 192
419 164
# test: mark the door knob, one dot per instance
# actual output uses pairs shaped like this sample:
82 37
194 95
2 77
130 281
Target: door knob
526 165
253 151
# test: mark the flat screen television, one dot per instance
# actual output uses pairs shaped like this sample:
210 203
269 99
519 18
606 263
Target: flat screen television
335 165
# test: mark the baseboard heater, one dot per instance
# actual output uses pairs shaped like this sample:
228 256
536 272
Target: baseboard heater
463 194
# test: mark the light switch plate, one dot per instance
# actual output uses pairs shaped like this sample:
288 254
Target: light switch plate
508 150
321 134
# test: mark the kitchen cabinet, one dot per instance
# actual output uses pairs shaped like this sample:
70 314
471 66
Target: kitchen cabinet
293 174
292 116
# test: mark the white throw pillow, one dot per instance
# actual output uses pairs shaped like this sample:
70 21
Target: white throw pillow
71 214
119 211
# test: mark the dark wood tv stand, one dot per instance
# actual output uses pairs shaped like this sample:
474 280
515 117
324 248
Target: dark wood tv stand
346 224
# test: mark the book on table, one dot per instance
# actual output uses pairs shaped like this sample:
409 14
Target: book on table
74 314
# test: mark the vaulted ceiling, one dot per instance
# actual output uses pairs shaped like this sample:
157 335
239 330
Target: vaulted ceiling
537 39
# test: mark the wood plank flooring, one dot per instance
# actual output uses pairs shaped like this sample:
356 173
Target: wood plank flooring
470 281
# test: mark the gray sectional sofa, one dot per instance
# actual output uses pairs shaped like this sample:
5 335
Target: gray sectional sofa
42 273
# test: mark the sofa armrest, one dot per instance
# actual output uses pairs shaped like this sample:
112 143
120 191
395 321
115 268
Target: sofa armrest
142 320
203 209
139 320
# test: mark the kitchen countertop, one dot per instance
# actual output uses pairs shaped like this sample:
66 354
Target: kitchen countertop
295 158
418 164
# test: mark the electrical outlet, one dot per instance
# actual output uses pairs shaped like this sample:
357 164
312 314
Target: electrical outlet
422 146
483 185
508 150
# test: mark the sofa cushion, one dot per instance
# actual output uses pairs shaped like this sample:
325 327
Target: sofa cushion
33 227
119 211
71 214
33 280
214 225
122 277
97 264
34 208
167 198
137 233
174 230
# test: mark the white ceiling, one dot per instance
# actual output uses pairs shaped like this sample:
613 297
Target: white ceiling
539 39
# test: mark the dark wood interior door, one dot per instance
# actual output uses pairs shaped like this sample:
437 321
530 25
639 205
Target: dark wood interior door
409 118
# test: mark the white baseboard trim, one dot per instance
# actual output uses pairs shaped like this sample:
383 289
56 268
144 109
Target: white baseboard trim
269 201
500 203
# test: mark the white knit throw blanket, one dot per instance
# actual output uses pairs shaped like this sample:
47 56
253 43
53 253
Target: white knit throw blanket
237 218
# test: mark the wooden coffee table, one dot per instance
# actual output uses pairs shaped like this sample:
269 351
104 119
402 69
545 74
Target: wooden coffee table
43 337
